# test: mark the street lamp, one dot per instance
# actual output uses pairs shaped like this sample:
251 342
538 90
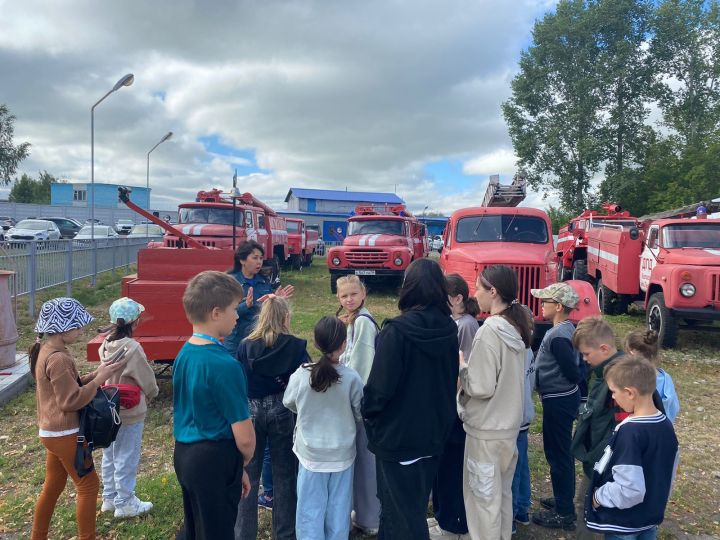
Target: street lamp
147 178
127 80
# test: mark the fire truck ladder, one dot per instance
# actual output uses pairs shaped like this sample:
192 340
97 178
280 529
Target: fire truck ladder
684 212
498 195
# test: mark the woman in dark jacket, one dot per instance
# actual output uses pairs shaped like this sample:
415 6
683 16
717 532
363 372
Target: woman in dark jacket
409 400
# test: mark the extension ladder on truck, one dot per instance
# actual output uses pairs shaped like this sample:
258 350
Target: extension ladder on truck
498 195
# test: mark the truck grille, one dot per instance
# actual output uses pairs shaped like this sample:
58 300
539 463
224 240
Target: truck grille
175 242
715 289
370 257
528 278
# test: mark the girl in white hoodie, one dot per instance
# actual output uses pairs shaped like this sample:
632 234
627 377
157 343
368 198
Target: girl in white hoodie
490 403
120 460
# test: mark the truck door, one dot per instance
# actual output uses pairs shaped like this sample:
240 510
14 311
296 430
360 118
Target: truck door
250 229
648 257
263 237
303 238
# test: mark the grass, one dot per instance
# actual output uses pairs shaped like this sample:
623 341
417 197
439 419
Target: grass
694 507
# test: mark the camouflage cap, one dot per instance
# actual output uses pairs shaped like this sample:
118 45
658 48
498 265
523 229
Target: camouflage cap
561 293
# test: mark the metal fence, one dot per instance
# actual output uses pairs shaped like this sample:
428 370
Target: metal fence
41 265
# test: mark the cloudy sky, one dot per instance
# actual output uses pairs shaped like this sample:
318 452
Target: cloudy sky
388 95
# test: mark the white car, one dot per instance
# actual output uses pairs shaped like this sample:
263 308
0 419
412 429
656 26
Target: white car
436 244
124 226
33 229
103 233
147 230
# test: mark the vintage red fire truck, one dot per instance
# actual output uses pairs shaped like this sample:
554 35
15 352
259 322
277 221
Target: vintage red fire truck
302 243
499 232
672 264
381 242
572 239
201 241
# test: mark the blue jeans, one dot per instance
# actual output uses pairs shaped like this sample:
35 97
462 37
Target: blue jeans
120 463
267 483
650 534
521 478
324 504
274 425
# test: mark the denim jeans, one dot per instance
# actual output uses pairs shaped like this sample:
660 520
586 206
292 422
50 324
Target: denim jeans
521 479
266 476
274 424
120 463
324 503
650 534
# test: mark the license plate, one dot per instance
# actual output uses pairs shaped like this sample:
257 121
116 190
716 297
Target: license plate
364 272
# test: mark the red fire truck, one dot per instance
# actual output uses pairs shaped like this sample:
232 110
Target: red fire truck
572 239
498 232
670 263
380 244
201 241
302 243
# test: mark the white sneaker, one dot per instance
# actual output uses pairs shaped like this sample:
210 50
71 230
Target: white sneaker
439 533
432 522
134 507
107 506
367 531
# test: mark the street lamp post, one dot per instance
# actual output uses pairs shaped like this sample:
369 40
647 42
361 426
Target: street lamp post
147 178
127 80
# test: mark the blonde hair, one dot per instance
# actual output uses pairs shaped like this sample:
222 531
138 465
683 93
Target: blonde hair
271 321
346 281
593 332
209 290
644 343
632 372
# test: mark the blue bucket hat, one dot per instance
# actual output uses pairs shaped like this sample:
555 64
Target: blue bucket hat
126 309
62 315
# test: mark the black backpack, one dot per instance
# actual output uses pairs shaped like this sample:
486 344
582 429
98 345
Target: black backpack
99 425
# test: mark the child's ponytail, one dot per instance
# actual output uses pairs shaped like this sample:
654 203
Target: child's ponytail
457 285
330 334
34 352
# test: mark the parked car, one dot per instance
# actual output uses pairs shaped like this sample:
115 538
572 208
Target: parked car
124 226
6 222
436 243
146 230
68 227
88 221
103 235
33 229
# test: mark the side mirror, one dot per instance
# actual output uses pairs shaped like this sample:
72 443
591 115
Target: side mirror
634 233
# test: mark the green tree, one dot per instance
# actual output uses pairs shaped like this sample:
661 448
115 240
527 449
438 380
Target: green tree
558 217
554 113
10 155
29 190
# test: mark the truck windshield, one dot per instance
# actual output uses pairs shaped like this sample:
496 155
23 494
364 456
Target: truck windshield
293 226
692 235
502 228
375 226
216 216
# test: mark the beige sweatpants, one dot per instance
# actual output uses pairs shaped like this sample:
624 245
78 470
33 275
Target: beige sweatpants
487 487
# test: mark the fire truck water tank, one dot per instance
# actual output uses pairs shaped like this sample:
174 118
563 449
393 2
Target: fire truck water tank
8 329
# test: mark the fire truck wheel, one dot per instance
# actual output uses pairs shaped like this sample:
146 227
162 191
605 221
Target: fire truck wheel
296 262
607 299
333 284
275 272
579 270
660 319
308 259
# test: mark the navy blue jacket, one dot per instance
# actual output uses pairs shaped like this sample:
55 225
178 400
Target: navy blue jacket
246 315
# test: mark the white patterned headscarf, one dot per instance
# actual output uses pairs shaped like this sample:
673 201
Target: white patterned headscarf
61 315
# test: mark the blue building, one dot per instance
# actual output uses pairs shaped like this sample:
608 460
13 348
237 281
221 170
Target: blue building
327 210
106 195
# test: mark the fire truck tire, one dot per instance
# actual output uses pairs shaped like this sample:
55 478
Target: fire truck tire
275 274
579 270
607 300
308 259
660 319
296 262
333 284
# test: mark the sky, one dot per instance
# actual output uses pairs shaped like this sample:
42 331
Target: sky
396 96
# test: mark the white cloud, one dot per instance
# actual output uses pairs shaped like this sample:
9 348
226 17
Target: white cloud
327 94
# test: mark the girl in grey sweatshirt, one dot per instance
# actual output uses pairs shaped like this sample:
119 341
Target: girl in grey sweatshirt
326 397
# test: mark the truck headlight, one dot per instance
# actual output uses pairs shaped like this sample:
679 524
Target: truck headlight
687 290
398 261
336 261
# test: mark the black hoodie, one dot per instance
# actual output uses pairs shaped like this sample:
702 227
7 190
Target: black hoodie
409 401
268 369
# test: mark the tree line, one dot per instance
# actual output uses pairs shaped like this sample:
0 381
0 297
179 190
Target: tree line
619 100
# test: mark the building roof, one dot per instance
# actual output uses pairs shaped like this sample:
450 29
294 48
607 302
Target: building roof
337 195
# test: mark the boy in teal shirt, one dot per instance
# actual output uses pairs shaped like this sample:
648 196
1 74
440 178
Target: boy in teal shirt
214 435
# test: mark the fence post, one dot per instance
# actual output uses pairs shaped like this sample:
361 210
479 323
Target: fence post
69 267
32 271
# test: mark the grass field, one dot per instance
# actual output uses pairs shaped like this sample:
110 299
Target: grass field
695 365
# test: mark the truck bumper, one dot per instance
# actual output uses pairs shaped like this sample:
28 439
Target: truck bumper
367 272
702 314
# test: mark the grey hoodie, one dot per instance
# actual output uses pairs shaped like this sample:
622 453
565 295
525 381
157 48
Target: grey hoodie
490 402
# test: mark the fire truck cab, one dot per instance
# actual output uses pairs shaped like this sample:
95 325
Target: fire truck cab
302 243
380 244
